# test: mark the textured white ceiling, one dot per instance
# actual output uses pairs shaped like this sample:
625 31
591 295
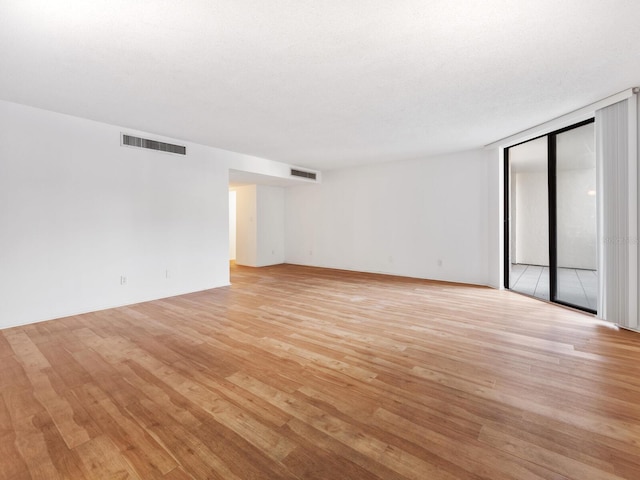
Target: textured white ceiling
319 83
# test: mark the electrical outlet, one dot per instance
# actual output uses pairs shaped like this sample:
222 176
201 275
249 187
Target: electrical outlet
123 280
439 262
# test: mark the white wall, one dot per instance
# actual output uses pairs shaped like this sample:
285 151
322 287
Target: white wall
232 225
271 221
495 223
531 219
78 211
260 225
577 226
425 218
246 226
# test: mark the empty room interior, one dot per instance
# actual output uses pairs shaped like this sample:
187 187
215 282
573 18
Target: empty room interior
319 240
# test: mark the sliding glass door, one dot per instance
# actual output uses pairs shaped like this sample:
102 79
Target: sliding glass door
529 205
550 217
577 279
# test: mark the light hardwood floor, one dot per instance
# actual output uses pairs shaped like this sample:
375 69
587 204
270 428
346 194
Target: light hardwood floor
298 372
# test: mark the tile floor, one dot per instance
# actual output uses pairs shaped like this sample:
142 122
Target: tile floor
575 286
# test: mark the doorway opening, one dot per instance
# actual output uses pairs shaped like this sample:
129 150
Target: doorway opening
550 217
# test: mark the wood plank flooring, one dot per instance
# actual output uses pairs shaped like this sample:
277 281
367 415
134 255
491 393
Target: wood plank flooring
303 373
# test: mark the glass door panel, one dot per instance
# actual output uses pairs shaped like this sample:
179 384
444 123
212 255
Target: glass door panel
576 272
529 219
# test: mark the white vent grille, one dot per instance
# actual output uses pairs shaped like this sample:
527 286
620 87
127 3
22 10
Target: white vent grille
303 174
138 142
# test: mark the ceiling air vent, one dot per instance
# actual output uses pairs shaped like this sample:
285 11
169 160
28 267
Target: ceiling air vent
132 141
303 174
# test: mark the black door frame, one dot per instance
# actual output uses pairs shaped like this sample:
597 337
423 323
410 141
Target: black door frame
552 214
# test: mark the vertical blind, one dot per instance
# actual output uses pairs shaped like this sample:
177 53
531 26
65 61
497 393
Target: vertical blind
617 207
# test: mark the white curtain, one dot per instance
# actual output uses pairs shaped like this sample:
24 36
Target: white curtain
617 201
